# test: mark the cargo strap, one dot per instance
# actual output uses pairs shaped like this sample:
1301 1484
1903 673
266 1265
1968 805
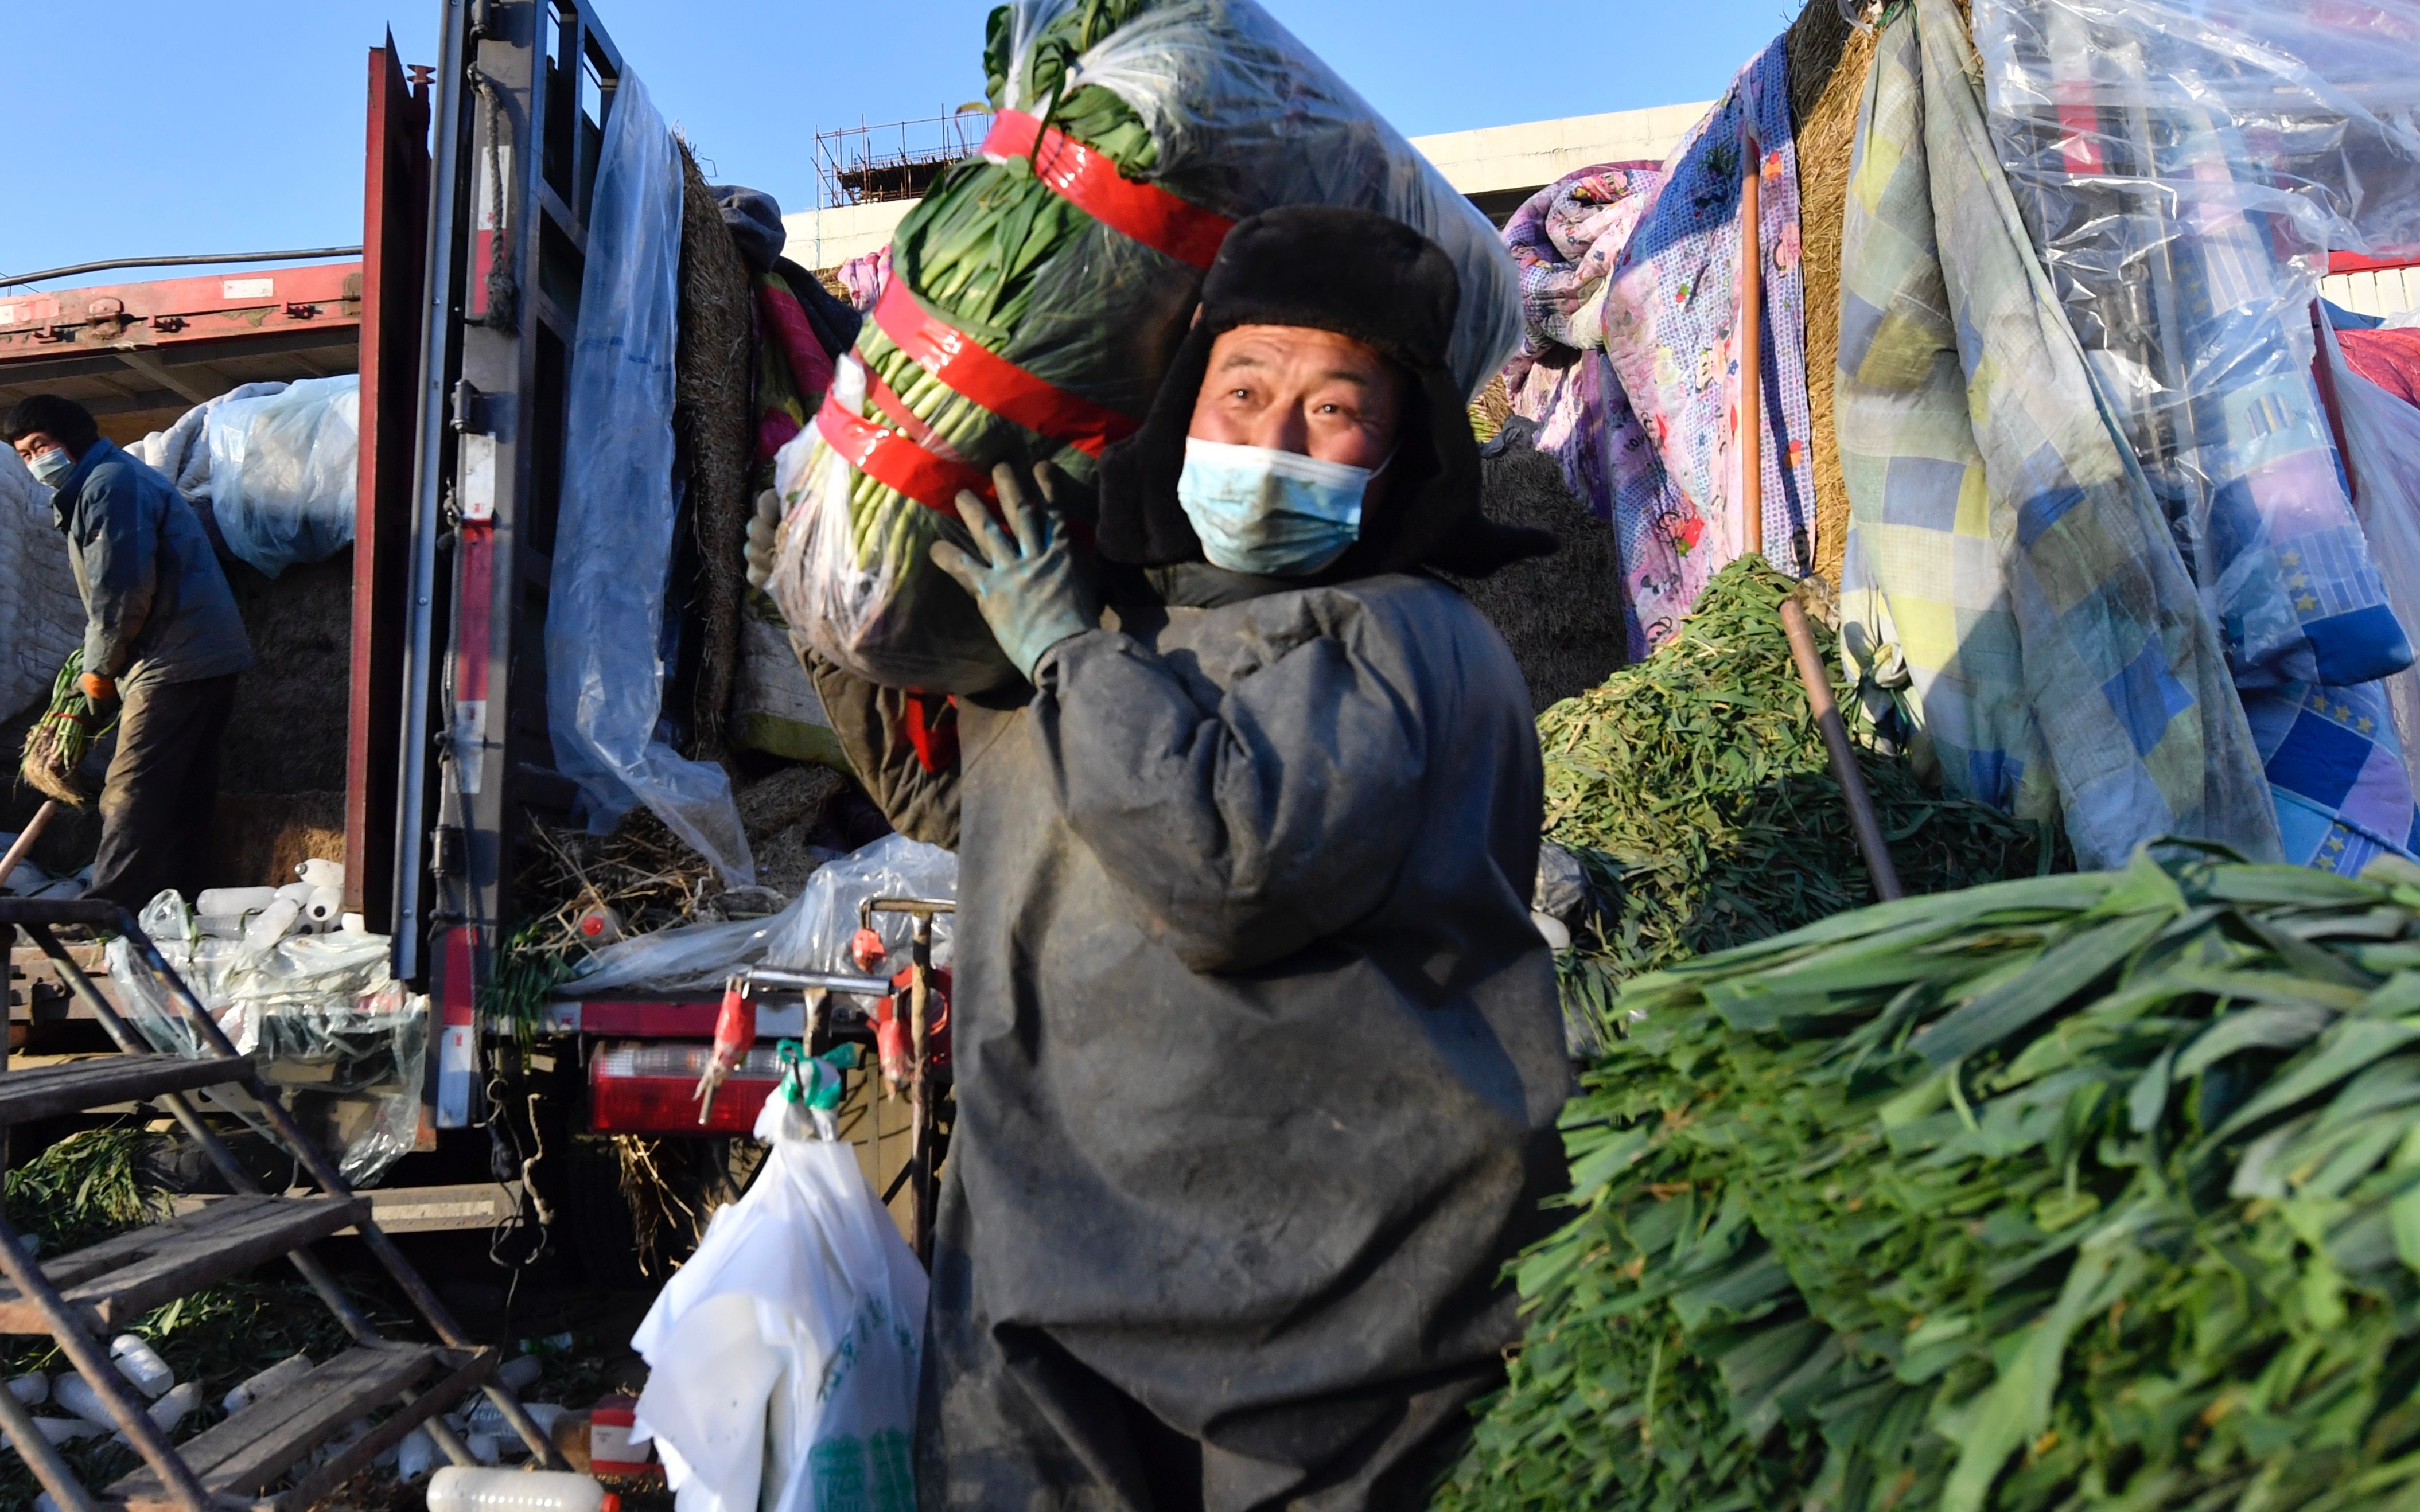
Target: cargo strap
993 381
895 461
1092 184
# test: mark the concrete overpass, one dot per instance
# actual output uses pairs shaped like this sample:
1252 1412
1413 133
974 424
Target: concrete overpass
1498 166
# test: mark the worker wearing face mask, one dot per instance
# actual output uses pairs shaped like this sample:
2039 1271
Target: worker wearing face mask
162 640
1257 1051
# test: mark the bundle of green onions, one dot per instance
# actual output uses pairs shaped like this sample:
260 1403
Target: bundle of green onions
64 736
1040 288
2082 1191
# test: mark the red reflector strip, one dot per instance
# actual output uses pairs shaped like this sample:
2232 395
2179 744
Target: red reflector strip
894 460
1092 184
993 381
652 1088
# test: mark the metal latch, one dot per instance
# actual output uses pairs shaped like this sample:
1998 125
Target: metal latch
471 410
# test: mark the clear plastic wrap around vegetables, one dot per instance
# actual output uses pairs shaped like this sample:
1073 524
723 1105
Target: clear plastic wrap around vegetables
1039 291
2185 167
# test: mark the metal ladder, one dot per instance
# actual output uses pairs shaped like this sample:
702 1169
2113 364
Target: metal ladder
78 1299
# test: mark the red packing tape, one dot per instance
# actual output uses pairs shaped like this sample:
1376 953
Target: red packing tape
894 460
995 382
1092 184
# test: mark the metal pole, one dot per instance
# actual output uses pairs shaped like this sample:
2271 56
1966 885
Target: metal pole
313 1270
116 1396
919 1147
1860 803
428 491
323 1170
1751 344
1812 673
41 1457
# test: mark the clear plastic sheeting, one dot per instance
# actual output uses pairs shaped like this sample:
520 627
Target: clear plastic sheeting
810 935
2381 454
613 539
181 454
41 619
284 470
2184 168
346 1042
816 931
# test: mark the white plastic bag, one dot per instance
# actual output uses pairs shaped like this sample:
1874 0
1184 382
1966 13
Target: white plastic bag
285 472
812 935
783 1358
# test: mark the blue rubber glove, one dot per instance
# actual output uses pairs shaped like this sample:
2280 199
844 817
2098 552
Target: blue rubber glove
1031 589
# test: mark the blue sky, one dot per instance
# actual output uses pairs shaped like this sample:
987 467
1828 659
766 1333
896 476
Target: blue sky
152 127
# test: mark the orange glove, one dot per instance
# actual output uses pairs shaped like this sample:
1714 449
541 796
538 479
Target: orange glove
98 688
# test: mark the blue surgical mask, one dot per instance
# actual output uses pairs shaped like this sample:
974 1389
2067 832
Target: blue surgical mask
1276 514
51 466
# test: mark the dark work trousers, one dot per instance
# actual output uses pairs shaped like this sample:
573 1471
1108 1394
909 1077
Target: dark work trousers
162 786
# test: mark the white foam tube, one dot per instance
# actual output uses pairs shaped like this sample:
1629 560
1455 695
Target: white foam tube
272 924
217 900
318 874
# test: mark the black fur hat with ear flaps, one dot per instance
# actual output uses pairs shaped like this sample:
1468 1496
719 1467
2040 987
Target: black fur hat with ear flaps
1359 274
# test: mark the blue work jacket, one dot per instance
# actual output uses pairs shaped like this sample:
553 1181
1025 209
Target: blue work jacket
157 608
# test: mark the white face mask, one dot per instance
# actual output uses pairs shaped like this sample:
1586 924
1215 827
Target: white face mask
1273 513
49 466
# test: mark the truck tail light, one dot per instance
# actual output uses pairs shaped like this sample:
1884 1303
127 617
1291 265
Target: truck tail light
649 1086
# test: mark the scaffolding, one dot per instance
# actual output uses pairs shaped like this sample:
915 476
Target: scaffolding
865 164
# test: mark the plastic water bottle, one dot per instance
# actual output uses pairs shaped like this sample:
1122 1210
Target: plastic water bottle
317 873
414 1456
171 1410
485 1448
31 1388
463 1488
272 924
72 1392
218 902
60 1430
520 1372
141 1364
